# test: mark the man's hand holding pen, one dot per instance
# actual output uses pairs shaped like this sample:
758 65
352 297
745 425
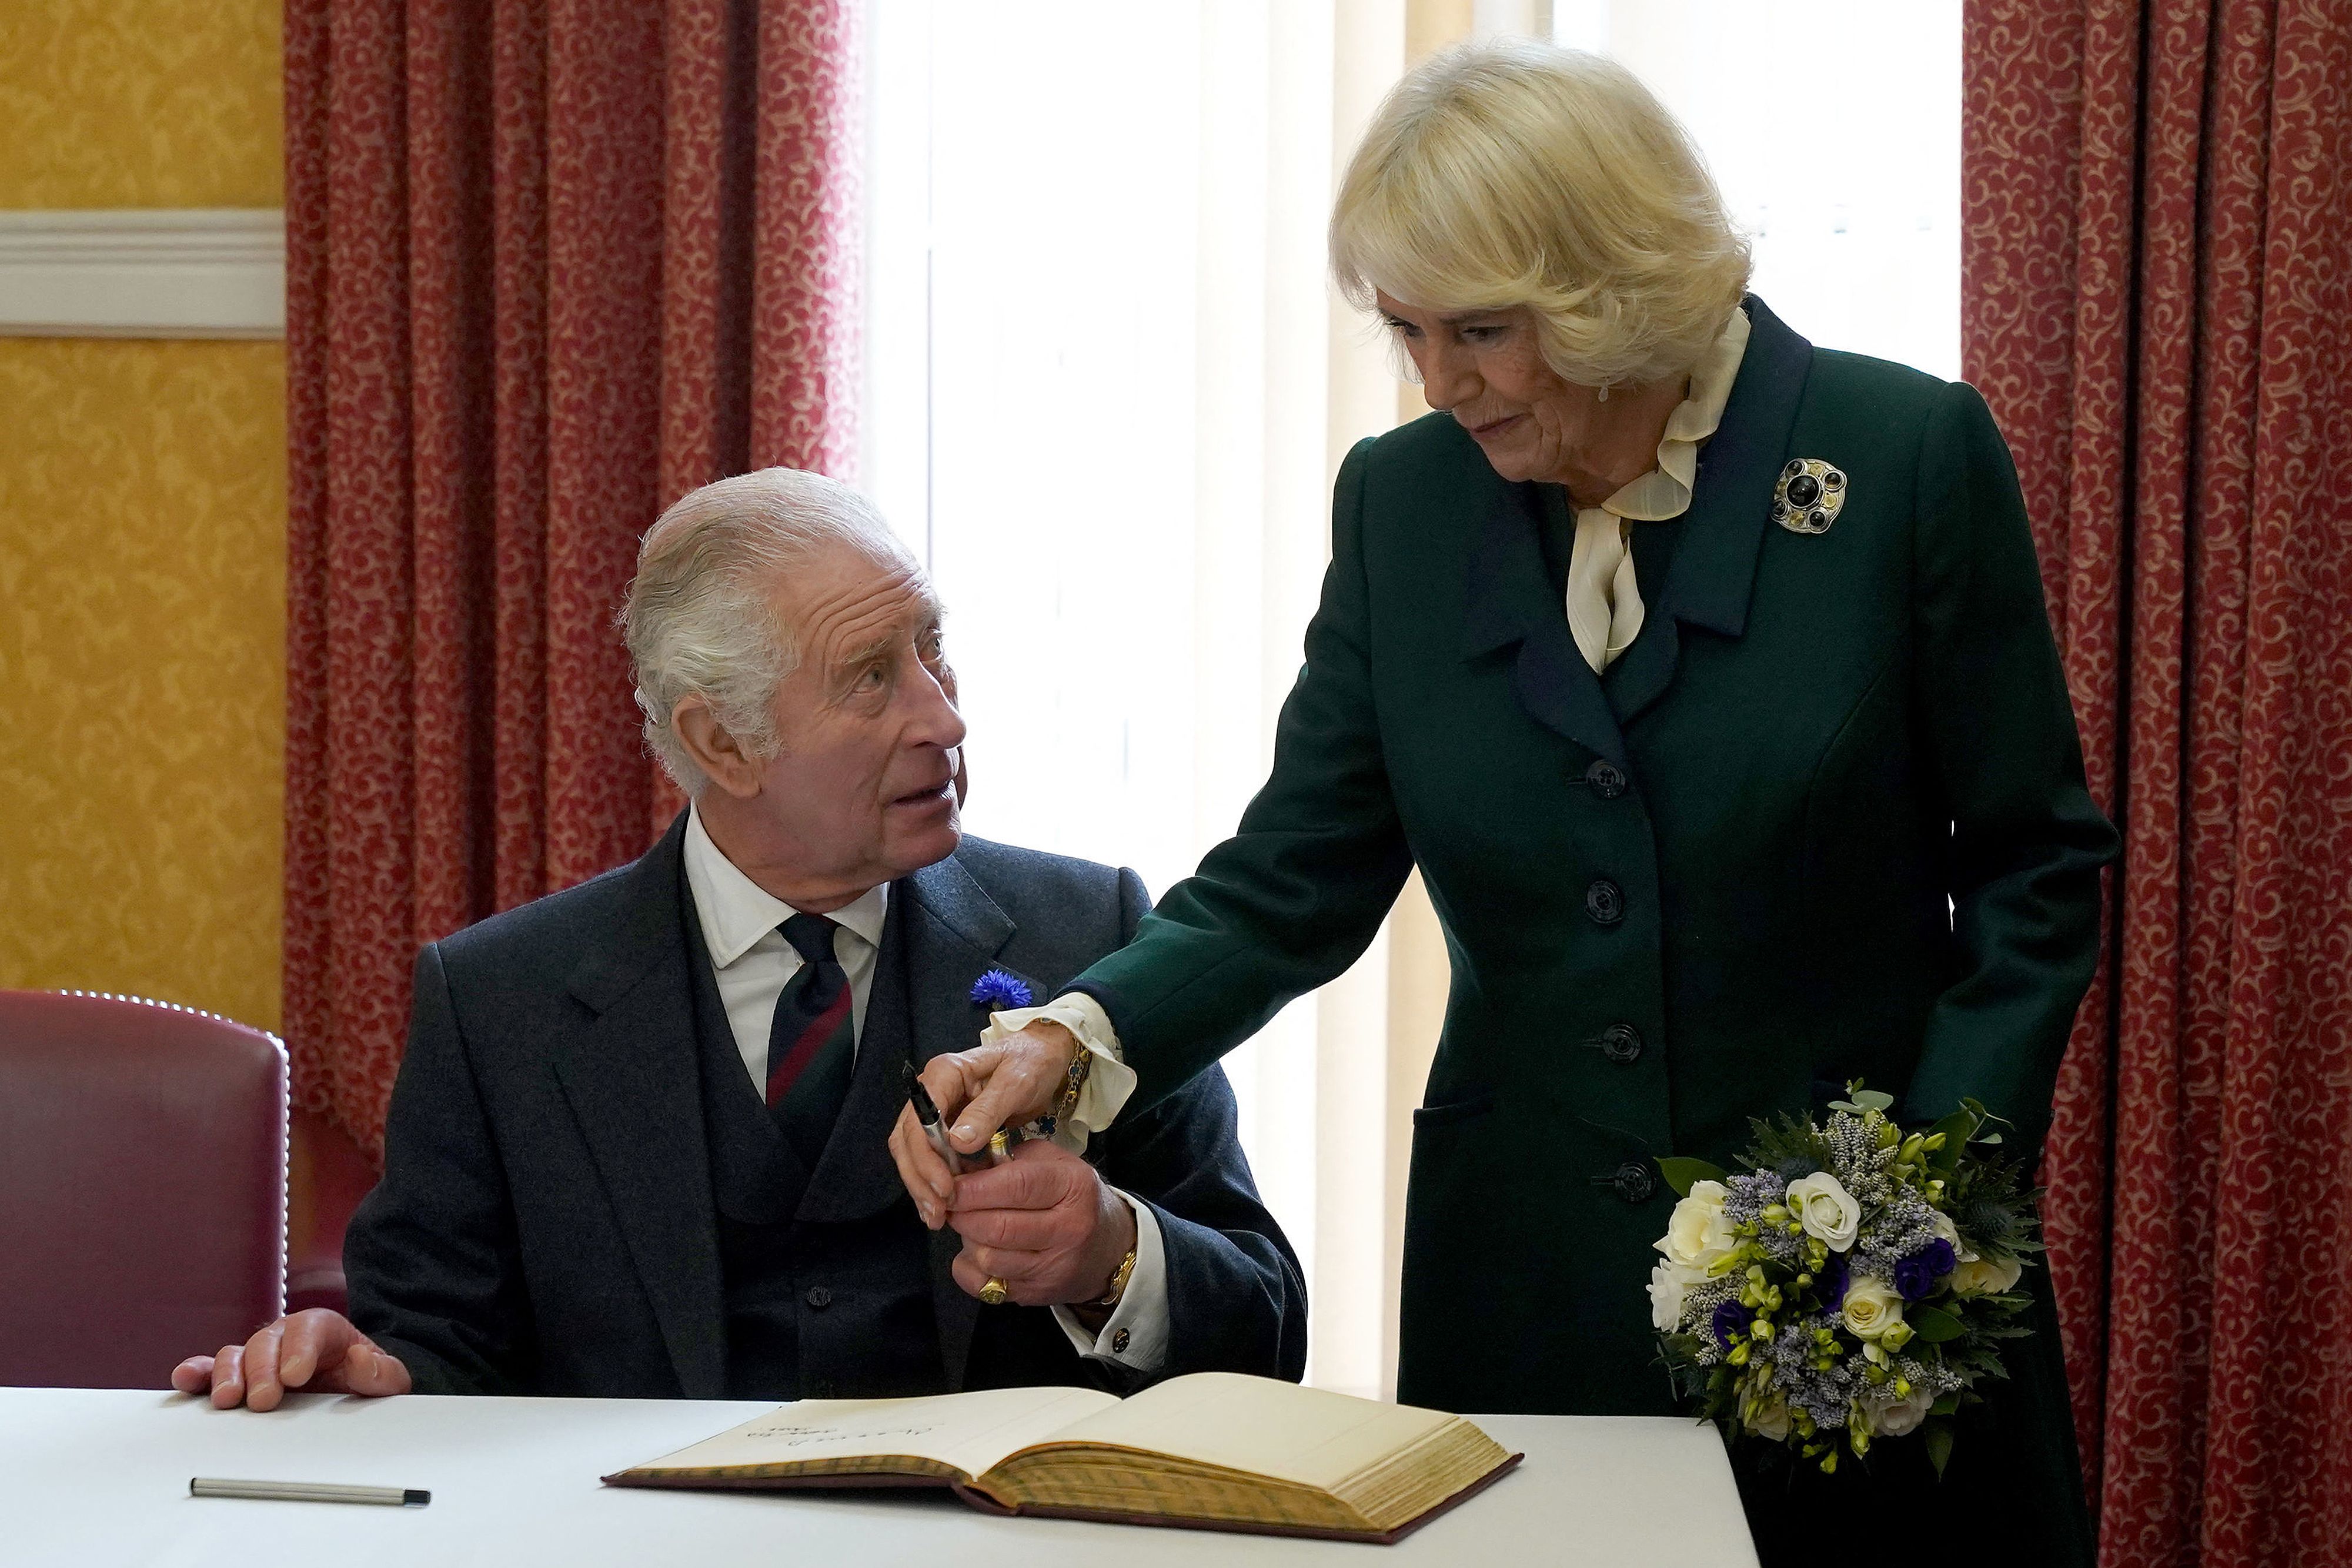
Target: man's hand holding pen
1043 1224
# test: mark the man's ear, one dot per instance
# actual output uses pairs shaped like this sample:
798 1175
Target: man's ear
714 748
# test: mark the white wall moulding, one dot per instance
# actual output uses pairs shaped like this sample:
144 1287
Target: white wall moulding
149 273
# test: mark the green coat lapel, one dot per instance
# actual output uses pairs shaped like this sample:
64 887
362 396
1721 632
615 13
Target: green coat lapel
1715 561
1509 600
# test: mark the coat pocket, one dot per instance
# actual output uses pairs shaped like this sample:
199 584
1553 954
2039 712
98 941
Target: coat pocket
1454 1110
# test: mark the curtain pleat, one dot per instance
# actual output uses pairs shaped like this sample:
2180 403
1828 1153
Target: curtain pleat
2157 307
807 281
527 301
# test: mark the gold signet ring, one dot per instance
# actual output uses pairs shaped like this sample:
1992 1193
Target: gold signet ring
992 1293
1811 494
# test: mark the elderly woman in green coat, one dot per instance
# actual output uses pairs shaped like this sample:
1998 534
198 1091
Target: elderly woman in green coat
1705 676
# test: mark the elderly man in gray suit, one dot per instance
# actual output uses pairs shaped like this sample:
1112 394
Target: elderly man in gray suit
639 1142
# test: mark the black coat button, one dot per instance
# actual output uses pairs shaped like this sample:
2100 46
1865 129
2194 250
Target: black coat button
1633 1181
1621 1043
1605 902
1607 779
819 1298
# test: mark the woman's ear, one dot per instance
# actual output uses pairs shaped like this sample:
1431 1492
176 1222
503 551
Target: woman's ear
714 747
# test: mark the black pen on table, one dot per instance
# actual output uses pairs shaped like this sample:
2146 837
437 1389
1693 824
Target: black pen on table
308 1491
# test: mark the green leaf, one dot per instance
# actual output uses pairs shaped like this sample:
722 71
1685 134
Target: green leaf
1990 1138
1940 1446
1933 1324
1949 1405
1874 1100
1683 1174
1958 1129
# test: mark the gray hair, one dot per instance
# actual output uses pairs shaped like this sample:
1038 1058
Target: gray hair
699 619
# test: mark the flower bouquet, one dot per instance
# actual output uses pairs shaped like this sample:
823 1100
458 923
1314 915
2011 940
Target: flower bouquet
1854 1283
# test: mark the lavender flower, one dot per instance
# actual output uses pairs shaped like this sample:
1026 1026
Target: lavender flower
999 990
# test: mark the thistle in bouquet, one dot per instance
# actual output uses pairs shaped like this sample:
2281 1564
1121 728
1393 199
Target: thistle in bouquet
1854 1283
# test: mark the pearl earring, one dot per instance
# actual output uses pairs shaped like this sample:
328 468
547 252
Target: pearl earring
1604 394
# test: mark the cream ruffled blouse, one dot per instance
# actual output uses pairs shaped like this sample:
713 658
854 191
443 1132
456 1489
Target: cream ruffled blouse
1604 606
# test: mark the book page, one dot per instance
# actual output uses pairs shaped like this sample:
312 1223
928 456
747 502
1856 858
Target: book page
969 1432
1266 1428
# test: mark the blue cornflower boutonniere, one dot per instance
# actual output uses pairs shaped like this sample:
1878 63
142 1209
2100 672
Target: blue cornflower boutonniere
999 992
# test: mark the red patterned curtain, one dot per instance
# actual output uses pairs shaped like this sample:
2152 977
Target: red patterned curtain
549 264
2157 288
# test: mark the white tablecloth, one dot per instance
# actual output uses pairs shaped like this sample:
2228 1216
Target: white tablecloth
93 1476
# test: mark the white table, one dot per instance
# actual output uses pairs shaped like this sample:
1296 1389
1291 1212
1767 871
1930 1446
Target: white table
91 1476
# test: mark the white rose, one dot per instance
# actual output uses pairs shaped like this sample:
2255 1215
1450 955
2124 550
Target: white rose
1902 1416
1871 1307
1697 1232
1941 1224
1987 1277
1772 1419
1825 1209
1669 1282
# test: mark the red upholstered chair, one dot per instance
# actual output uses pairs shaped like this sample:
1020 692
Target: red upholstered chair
142 1186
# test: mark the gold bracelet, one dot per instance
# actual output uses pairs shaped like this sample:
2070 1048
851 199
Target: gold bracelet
1080 1065
1118 1281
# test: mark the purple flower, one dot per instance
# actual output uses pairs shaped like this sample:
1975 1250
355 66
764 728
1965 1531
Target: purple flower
1831 1284
1730 1324
999 990
1916 1276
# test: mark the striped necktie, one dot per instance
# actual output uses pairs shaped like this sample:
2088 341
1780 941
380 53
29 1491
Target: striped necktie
811 1045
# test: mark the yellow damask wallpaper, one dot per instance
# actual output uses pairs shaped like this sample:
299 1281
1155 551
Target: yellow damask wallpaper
142 530
140 103
142 669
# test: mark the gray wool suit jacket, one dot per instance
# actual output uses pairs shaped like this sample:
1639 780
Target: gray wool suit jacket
545 1223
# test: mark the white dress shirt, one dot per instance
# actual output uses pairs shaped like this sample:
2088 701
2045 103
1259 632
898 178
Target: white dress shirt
741 924
1603 599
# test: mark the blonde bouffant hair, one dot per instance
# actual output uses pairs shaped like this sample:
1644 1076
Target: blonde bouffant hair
1516 174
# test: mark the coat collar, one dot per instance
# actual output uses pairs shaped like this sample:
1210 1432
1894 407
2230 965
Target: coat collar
1509 598
1713 575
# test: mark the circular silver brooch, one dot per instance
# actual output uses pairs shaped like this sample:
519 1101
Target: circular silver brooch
1809 497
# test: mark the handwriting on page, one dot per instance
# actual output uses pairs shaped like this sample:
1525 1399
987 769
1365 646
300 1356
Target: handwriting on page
791 1437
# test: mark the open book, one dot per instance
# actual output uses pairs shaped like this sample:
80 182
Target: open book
1213 1451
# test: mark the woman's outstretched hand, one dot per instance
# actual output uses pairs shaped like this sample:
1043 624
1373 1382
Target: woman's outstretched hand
1000 1083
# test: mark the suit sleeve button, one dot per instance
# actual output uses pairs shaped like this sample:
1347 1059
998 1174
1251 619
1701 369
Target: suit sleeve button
1604 901
1607 779
819 1298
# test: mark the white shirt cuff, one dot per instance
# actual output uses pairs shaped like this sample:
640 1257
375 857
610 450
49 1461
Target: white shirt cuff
1109 1081
1136 1335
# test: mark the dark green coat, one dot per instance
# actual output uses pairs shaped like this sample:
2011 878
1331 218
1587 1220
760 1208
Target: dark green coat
1710 886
